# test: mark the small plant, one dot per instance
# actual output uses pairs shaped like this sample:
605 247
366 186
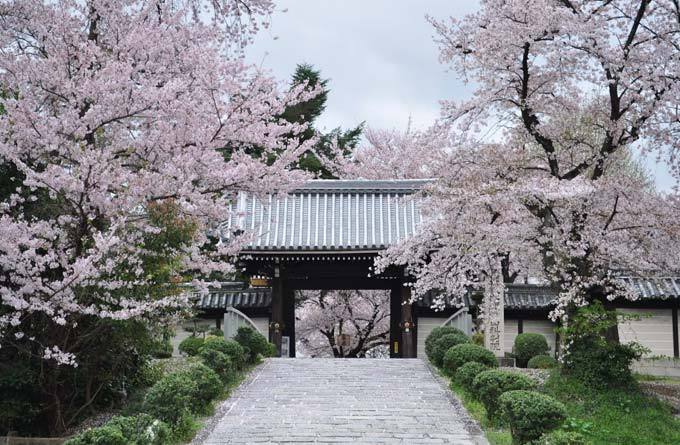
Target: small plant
489 385
149 373
216 332
254 342
466 374
560 437
230 348
478 338
444 343
162 348
219 362
542 362
106 434
171 397
190 345
142 429
530 414
529 345
208 386
458 355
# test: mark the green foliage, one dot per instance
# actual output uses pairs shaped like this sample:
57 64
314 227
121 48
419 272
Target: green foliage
219 362
190 345
172 397
435 335
489 385
444 343
590 356
458 355
466 374
103 435
20 403
216 332
478 338
208 386
253 343
559 437
530 414
541 362
142 429
162 349
529 345
148 374
231 348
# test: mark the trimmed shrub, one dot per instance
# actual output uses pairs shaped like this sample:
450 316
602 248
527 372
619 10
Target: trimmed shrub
171 397
530 414
466 374
219 362
560 437
230 348
458 355
435 335
216 332
254 342
542 362
190 345
162 349
478 338
142 429
529 345
444 343
208 386
489 385
103 435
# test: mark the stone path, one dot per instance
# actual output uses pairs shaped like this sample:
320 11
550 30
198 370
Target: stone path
358 401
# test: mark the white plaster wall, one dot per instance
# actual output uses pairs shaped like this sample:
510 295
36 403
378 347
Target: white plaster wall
654 330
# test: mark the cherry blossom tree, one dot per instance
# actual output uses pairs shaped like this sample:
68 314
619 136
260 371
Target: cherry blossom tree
571 88
364 315
109 109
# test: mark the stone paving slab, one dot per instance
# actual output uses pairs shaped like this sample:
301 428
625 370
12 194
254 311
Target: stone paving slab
358 401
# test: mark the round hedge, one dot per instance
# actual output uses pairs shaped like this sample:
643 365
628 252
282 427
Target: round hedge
229 347
171 397
560 437
219 362
444 343
489 385
142 429
435 335
541 362
208 386
105 434
466 374
253 343
458 355
530 414
190 345
529 345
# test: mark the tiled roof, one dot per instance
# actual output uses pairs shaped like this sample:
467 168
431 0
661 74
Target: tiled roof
329 216
528 296
241 298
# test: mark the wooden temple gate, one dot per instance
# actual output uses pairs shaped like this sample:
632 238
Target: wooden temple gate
326 235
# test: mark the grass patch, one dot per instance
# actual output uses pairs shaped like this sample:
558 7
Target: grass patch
657 378
604 417
623 415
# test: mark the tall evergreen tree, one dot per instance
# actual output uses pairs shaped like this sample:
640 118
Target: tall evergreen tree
308 112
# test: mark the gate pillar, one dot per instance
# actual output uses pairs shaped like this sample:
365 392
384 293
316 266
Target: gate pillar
276 325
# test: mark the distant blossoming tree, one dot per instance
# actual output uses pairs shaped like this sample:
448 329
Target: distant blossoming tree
573 87
322 316
109 109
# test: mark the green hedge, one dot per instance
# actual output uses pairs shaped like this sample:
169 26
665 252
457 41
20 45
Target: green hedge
489 385
218 362
190 345
530 414
529 345
542 362
162 348
435 335
253 343
444 343
141 429
466 374
458 355
208 386
171 397
230 348
559 437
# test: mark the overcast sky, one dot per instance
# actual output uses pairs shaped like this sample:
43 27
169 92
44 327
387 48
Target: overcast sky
378 54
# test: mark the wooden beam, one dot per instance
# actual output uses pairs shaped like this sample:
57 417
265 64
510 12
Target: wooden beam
395 321
407 329
352 283
676 346
277 322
